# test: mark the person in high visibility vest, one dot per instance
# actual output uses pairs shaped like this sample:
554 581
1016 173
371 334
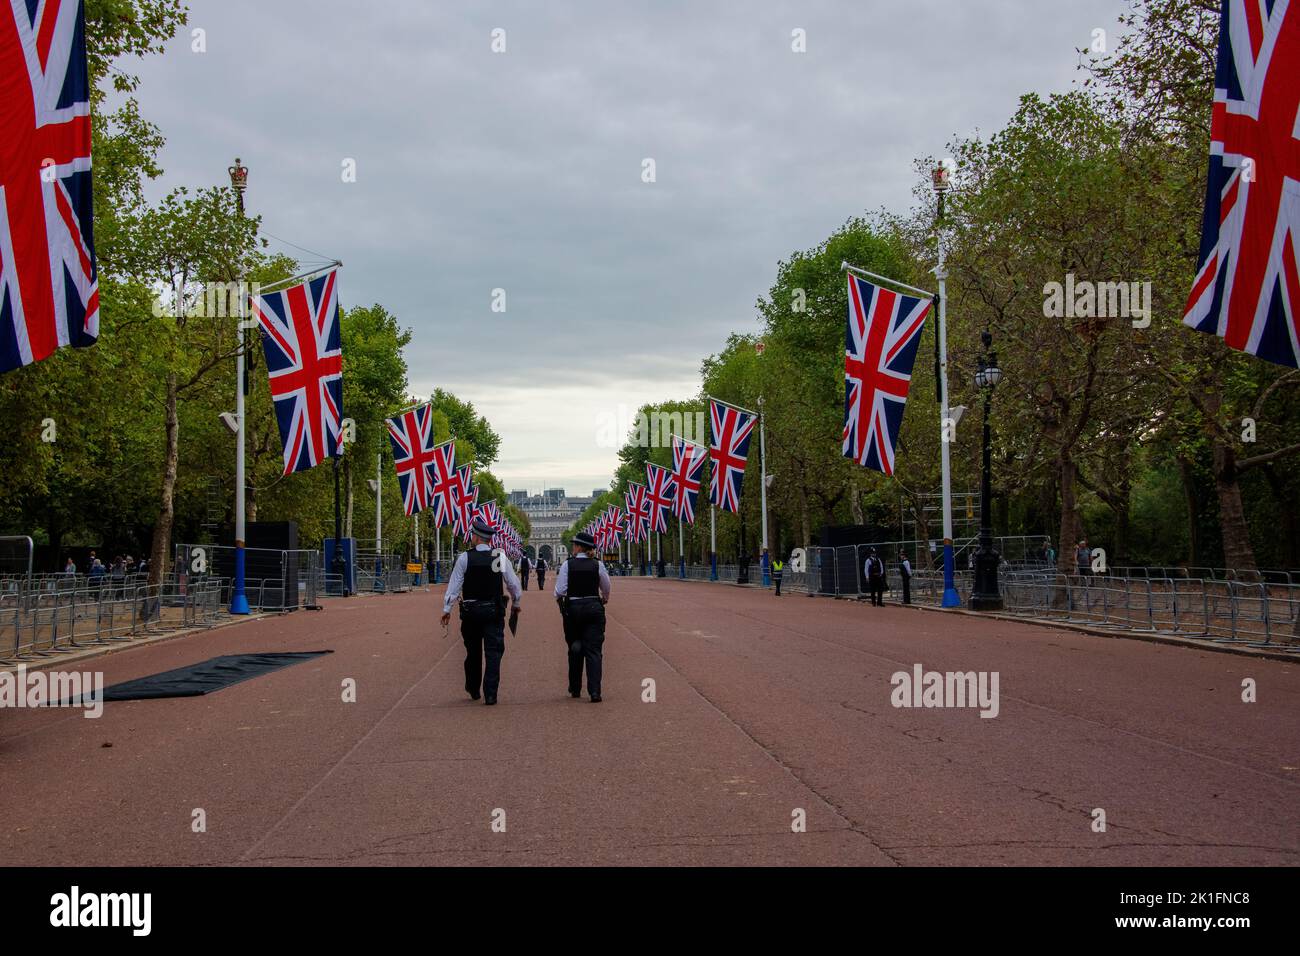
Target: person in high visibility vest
778 566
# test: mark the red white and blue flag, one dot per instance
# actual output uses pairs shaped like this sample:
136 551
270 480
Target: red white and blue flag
1247 287
688 470
49 283
660 489
730 429
466 500
304 361
488 512
880 342
638 512
446 484
411 434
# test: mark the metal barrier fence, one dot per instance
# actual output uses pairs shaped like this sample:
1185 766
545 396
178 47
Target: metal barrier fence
274 580
1227 610
43 622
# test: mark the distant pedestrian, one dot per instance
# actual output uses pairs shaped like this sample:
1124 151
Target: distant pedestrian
778 569
541 573
70 567
524 567
874 569
905 572
1083 557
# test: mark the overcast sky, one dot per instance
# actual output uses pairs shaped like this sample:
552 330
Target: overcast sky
522 170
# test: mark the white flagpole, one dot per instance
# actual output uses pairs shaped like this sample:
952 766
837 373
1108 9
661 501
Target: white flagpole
417 546
950 596
713 544
762 471
238 599
681 549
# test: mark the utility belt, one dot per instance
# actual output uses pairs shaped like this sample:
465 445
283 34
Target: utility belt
499 603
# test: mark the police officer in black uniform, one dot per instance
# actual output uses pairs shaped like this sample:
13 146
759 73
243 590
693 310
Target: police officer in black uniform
582 590
541 572
478 578
524 567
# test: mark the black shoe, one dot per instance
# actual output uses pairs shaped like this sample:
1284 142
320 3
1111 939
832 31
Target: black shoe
595 698
473 694
575 693
489 701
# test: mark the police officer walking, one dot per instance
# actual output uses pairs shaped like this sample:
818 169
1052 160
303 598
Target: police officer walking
778 568
541 572
477 578
582 589
524 568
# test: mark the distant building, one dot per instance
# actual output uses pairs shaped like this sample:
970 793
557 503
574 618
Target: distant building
550 514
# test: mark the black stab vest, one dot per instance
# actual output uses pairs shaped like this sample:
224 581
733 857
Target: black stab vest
584 577
481 582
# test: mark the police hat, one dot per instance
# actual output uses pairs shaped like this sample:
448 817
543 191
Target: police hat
480 528
584 540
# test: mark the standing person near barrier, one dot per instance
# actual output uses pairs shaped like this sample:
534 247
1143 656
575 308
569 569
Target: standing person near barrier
582 590
778 570
1083 557
525 566
477 578
905 572
874 569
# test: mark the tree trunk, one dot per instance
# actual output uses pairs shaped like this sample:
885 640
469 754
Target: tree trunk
1237 551
855 506
805 521
1071 527
1290 525
162 532
1193 510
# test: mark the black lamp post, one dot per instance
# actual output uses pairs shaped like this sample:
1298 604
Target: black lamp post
986 595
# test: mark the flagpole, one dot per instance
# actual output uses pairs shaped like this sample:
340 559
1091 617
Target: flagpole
762 471
419 574
713 544
238 597
437 550
681 551
950 596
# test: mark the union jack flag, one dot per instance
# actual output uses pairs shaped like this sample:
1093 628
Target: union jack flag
1247 288
446 484
659 492
489 513
411 434
49 283
688 467
880 342
730 429
304 360
466 501
638 512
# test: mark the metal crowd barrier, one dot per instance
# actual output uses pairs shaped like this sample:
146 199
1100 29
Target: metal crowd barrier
44 622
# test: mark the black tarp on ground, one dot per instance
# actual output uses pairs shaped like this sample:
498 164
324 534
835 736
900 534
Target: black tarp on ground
205 677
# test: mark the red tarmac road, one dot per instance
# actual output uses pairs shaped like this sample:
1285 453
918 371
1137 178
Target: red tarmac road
763 706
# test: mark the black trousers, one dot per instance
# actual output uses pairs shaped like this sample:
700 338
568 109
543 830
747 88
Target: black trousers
482 628
907 590
541 580
776 579
877 586
523 581
584 632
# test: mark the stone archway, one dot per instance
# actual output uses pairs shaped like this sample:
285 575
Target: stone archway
546 554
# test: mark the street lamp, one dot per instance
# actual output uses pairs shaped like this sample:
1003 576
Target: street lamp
986 595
